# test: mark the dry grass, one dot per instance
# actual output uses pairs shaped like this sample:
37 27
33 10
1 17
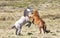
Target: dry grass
52 21
49 12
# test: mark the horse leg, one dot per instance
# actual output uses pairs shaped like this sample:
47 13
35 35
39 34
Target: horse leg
40 30
29 24
33 21
44 28
18 30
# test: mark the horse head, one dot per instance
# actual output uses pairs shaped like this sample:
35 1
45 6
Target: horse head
35 12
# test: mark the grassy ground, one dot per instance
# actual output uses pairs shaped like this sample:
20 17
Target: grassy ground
10 12
52 22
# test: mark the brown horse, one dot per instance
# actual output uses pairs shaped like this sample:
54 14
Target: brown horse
37 20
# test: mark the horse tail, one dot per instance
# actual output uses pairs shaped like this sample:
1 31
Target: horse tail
13 27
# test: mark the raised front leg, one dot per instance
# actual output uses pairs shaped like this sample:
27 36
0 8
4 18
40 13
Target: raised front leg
29 24
33 21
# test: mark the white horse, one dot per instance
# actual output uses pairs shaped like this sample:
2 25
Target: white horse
27 12
23 20
18 25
